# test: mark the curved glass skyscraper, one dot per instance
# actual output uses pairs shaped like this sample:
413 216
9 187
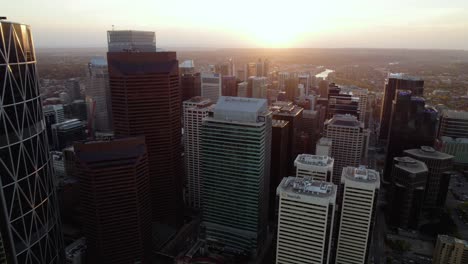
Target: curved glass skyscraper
29 224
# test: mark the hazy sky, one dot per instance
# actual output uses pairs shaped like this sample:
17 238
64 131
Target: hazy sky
249 23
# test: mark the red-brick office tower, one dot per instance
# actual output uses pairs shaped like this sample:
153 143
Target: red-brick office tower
145 97
115 200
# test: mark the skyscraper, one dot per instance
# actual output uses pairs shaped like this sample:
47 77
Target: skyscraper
211 86
53 114
257 87
29 219
229 86
341 102
146 100
360 188
293 114
318 168
349 142
236 144
98 92
407 192
393 83
65 133
115 200
413 124
439 165
251 69
242 89
131 41
195 110
450 250
279 154
305 221
190 84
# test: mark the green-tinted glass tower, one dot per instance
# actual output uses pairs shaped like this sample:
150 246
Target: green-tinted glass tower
235 142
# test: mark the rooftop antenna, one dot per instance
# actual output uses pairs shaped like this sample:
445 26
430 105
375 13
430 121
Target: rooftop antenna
3 18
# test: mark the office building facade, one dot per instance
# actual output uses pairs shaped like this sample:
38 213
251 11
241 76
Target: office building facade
407 192
190 84
360 188
27 197
450 250
131 41
413 124
279 154
349 142
319 168
439 165
195 110
146 100
229 86
98 92
236 144
305 221
115 200
65 133
393 83
211 86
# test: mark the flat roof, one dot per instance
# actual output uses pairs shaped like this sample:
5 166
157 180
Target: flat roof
279 123
428 152
345 120
314 160
361 174
239 109
308 187
403 76
463 115
409 164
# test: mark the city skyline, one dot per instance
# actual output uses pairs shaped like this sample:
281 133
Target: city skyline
207 24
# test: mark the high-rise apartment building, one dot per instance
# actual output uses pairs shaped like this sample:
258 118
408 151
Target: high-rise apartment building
350 141
279 154
146 100
115 200
413 124
318 168
131 41
393 83
236 144
29 219
195 110
439 165
450 250
211 86
305 221
360 188
407 192
98 92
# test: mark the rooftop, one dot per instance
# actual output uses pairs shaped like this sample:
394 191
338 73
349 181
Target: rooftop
455 114
409 164
361 174
452 240
199 100
314 160
344 120
324 141
239 109
428 152
279 123
307 186
187 64
403 76
98 61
